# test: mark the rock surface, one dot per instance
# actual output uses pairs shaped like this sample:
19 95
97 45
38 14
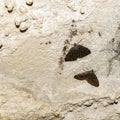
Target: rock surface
36 83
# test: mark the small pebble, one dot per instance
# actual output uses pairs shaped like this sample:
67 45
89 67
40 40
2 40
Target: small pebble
105 103
116 101
71 109
110 102
24 26
23 9
9 4
7 32
95 106
17 21
112 97
88 103
117 97
82 11
29 2
90 31
73 21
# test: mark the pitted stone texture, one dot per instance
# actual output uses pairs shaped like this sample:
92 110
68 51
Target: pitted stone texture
36 82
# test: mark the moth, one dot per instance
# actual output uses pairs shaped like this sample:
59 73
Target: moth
77 51
89 76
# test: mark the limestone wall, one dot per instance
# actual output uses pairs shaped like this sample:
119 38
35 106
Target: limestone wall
60 60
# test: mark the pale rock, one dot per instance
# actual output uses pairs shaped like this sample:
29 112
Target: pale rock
112 97
95 106
23 9
36 83
105 103
88 103
116 101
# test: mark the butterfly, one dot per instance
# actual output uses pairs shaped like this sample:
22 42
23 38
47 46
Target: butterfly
89 76
77 51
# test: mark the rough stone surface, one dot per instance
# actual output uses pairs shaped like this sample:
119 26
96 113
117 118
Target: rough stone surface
36 83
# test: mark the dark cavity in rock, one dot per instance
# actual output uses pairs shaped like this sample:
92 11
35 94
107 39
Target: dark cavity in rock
1 46
78 51
89 76
99 34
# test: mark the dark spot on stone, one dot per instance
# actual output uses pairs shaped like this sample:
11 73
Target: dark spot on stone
10 11
99 34
73 33
17 26
22 31
116 102
73 21
61 60
90 31
82 13
72 25
1 46
49 42
64 49
78 51
89 76
113 40
119 27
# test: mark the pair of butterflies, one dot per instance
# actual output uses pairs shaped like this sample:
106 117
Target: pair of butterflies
79 51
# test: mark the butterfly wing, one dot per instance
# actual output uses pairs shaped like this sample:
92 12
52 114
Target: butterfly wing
89 76
72 54
93 80
83 51
81 76
78 51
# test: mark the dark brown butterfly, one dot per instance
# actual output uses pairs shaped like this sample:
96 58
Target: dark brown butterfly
89 76
78 51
